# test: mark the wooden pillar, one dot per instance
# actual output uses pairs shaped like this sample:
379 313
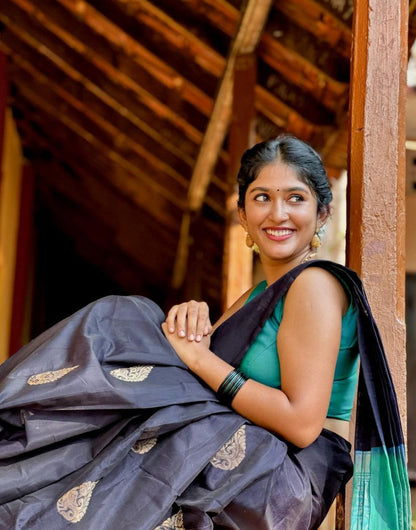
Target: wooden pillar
4 91
22 292
376 200
238 258
10 196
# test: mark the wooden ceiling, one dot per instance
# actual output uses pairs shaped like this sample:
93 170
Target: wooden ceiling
123 107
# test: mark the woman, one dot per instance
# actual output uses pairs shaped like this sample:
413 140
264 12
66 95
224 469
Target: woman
103 424
299 374
284 199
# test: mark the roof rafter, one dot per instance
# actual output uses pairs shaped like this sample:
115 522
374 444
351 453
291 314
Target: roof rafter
245 41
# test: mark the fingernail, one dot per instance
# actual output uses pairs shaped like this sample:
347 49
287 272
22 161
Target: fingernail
191 337
171 330
181 333
198 338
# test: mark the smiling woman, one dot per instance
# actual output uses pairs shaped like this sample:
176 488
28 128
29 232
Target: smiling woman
284 200
237 425
280 214
288 176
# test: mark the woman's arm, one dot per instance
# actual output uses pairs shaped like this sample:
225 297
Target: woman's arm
308 343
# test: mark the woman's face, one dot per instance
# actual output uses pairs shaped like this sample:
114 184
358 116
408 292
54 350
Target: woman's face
281 213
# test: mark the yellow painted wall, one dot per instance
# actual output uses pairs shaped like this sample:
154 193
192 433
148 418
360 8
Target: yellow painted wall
10 186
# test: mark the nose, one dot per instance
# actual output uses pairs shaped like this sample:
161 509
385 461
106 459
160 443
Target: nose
279 211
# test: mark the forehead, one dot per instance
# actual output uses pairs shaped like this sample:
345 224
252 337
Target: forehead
278 175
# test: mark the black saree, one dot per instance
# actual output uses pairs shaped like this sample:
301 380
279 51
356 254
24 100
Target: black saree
102 426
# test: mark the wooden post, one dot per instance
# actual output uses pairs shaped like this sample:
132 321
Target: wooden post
22 299
4 91
376 194
376 218
10 196
238 258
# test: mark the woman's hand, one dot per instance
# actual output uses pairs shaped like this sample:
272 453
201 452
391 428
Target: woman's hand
190 319
189 351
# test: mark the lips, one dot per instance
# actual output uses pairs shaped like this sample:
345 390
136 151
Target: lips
278 232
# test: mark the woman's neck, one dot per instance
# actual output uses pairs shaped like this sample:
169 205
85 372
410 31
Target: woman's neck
275 269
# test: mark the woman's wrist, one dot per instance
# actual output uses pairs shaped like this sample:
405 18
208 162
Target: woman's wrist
209 367
200 358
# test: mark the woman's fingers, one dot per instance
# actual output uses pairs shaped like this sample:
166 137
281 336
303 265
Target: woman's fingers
203 324
171 319
190 319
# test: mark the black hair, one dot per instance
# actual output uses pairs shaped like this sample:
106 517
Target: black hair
291 151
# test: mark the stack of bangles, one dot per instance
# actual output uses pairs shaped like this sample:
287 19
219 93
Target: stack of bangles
230 386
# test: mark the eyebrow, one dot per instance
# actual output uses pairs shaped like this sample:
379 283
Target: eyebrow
294 188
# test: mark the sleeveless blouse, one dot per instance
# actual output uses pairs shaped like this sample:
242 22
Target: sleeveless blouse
261 362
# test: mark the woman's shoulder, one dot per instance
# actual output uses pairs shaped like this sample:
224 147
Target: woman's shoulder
318 284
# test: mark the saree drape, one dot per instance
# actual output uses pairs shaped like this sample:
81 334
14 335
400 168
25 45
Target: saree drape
102 426
381 492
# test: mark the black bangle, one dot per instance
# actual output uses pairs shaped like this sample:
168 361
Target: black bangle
230 386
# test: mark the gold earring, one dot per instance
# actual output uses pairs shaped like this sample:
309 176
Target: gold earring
251 244
316 241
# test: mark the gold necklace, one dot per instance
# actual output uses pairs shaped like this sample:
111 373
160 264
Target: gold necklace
308 257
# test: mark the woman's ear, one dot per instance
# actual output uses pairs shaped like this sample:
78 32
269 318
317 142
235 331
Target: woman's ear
323 216
242 217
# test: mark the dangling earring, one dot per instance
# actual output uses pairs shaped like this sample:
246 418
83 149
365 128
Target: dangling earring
251 244
316 241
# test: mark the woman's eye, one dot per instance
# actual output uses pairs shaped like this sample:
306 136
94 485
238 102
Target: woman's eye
295 198
261 197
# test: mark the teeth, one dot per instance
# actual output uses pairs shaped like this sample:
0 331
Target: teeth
278 232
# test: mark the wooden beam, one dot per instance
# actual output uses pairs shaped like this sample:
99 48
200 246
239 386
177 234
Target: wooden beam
73 111
290 64
226 17
315 19
246 39
334 153
307 14
175 35
412 23
96 74
4 92
22 291
238 258
10 197
182 253
138 175
253 18
284 116
92 165
376 201
28 29
302 73
121 44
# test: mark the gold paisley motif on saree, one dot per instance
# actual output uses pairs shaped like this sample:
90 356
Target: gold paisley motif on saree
74 503
144 446
48 377
232 453
173 523
132 374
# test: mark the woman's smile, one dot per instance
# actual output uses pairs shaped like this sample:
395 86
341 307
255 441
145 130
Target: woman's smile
280 214
278 234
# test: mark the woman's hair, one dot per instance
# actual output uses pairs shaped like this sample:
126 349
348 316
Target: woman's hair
291 151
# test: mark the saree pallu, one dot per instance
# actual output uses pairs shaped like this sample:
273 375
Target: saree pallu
102 426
